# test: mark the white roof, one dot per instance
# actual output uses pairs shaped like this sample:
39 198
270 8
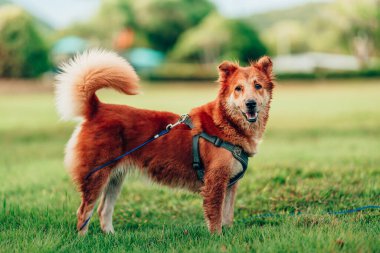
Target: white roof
309 62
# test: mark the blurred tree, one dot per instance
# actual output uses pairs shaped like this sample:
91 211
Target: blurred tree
215 38
359 22
286 37
322 36
163 21
156 24
23 52
104 27
294 36
341 26
300 13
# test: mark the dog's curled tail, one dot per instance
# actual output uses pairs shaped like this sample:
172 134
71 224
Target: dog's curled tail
82 76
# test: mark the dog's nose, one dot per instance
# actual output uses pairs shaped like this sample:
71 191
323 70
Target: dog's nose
251 103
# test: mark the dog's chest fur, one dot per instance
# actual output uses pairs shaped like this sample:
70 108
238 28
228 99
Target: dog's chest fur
236 167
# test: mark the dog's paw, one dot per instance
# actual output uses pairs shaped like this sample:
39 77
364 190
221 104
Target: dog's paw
108 229
227 223
217 230
82 232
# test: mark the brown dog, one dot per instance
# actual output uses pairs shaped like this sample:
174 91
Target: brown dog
238 115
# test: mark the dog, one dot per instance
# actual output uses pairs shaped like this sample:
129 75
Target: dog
238 115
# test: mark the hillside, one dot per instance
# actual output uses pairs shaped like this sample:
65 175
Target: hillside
300 13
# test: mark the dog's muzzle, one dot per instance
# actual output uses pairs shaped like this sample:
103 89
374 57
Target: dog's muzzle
251 112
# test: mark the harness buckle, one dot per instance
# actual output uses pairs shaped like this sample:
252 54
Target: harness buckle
237 151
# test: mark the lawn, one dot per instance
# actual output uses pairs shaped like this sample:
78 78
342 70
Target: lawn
321 153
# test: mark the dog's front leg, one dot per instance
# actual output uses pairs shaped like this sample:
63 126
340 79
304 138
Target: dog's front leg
229 205
214 193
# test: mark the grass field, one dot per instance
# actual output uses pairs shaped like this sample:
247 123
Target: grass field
321 153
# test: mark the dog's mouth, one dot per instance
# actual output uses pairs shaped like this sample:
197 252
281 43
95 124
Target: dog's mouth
251 116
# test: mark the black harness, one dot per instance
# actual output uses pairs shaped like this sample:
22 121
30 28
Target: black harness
235 150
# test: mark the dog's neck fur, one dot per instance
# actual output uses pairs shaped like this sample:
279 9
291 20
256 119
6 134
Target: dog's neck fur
237 129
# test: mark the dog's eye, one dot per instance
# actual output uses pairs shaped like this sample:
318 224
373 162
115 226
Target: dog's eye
258 86
238 88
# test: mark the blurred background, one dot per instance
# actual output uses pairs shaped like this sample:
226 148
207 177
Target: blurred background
320 151
185 39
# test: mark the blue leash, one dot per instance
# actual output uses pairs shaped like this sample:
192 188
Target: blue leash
85 222
162 133
169 127
355 210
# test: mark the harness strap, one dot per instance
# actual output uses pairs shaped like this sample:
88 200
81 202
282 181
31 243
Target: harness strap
237 152
197 163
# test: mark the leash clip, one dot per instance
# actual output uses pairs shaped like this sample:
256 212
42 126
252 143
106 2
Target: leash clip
182 119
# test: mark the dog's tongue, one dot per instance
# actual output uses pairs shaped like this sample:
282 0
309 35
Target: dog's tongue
251 115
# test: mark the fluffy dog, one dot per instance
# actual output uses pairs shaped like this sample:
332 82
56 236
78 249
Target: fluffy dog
238 115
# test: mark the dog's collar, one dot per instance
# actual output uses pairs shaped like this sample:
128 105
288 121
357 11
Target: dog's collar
237 152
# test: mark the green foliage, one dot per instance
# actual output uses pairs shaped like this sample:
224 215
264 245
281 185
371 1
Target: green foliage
286 36
163 21
315 157
309 27
157 24
191 27
218 38
244 44
23 52
104 27
302 13
3 2
343 26
359 25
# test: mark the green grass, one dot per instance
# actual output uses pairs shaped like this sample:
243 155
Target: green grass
321 153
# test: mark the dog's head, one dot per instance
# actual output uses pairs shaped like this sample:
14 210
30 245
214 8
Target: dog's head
246 92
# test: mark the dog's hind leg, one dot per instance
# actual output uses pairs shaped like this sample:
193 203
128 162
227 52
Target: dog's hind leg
108 199
228 206
91 190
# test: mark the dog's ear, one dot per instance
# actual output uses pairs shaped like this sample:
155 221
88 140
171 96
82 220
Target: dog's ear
265 65
226 69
